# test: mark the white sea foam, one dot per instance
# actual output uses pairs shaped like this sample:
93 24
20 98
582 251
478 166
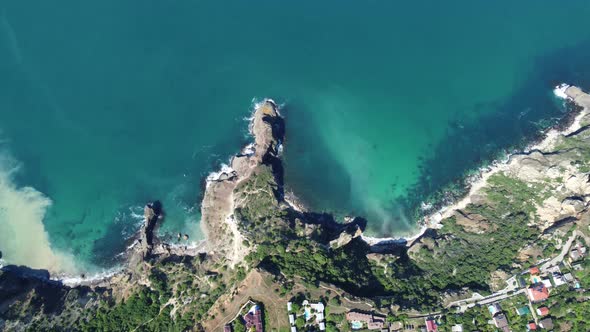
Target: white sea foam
93 278
559 91
23 238
137 215
215 176
248 150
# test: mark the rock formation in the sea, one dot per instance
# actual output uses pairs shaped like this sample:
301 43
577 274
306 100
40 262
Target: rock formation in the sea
152 213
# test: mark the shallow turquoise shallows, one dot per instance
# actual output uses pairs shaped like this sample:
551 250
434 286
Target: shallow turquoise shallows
105 105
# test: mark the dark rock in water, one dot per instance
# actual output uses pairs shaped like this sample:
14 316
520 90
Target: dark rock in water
156 207
152 212
185 237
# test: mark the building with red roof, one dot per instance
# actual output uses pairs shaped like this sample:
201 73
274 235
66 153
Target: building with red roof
543 311
534 270
531 326
253 319
537 293
431 325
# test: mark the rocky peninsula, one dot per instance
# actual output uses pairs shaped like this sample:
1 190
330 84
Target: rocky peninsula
220 200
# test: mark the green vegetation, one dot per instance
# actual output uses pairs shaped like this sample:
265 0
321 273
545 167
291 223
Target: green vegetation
458 259
509 306
147 309
570 308
466 258
508 195
239 325
348 268
260 217
579 144
142 311
474 319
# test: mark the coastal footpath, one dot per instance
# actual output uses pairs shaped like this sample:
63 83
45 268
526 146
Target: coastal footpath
262 253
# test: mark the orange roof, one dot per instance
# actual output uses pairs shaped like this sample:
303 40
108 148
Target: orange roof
538 292
544 311
534 270
532 326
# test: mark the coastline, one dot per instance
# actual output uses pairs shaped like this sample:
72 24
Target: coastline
477 181
474 183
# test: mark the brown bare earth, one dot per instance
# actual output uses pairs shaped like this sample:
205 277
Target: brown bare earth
258 286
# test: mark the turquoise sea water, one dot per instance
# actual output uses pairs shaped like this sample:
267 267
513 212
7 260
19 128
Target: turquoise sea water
108 104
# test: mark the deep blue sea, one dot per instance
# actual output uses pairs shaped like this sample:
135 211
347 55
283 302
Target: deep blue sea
105 105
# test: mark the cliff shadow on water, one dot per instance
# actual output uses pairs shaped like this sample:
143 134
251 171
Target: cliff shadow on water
504 126
314 161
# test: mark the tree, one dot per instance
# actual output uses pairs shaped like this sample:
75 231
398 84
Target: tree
300 322
239 325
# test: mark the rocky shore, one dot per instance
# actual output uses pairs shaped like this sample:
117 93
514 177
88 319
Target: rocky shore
574 124
547 161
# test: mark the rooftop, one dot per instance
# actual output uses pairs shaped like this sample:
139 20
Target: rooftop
500 321
537 292
543 311
431 325
457 328
546 323
523 310
254 319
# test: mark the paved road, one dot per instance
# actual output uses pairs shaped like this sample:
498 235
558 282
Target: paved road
477 298
559 258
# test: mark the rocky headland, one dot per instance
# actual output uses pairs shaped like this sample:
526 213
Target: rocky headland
220 200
